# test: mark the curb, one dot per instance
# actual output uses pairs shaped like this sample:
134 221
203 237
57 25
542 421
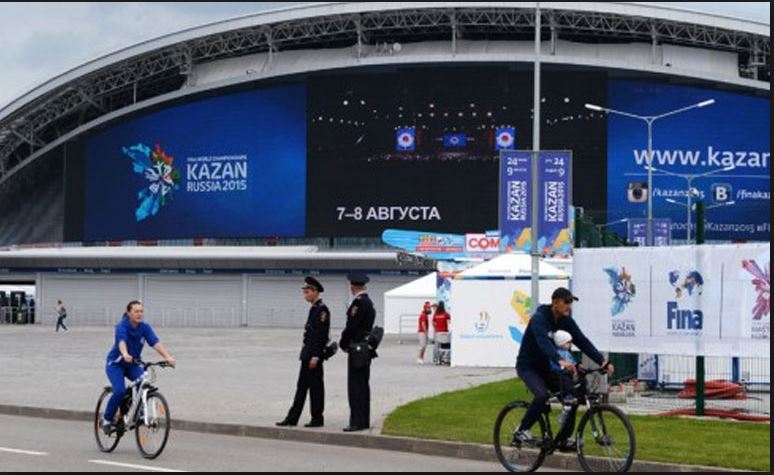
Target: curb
435 448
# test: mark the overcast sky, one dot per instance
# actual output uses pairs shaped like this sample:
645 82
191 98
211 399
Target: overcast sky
42 40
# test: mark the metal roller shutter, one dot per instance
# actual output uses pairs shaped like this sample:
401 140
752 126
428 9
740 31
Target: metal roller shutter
192 301
277 301
89 300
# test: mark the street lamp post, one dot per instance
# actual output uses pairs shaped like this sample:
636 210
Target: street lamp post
689 191
649 120
695 208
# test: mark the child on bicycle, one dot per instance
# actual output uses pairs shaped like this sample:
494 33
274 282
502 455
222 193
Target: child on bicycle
563 342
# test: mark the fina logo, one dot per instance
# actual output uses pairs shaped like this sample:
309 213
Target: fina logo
685 319
482 325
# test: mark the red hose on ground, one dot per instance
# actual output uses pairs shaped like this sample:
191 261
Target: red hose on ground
715 389
736 414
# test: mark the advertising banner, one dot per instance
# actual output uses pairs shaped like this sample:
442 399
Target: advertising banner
554 187
638 232
229 166
733 132
489 319
705 300
555 179
515 200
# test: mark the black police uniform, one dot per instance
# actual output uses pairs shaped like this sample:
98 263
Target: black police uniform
316 336
360 321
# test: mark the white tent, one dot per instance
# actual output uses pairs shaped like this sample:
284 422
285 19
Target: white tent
512 266
491 308
403 304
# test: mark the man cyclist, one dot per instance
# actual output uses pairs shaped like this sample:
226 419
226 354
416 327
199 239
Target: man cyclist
538 351
130 336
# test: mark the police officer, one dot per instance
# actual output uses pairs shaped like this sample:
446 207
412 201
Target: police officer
310 376
360 321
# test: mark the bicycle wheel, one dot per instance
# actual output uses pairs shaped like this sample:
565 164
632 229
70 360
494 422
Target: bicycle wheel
152 438
105 442
515 455
605 440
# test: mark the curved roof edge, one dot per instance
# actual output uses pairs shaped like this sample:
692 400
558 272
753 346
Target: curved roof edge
658 12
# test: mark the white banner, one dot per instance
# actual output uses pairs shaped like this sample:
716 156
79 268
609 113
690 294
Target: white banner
489 319
689 300
614 295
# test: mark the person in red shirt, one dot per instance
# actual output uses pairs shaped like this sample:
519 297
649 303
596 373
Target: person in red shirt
424 328
441 319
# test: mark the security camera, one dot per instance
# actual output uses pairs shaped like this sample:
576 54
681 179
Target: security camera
637 192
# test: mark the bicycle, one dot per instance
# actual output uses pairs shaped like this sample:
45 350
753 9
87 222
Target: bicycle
605 438
143 409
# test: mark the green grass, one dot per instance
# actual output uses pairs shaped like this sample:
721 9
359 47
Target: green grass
469 415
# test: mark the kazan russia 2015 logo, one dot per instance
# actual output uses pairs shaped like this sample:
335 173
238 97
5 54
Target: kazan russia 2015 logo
624 292
162 178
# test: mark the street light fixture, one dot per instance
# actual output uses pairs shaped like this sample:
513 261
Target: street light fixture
680 203
689 188
649 120
720 205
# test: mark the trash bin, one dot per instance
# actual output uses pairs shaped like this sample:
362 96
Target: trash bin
21 318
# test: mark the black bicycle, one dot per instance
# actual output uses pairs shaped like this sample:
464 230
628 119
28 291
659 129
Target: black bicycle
605 439
143 409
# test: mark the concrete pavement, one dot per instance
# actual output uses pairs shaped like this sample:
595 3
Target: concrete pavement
240 376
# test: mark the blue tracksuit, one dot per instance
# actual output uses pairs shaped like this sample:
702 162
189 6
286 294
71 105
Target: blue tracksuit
116 369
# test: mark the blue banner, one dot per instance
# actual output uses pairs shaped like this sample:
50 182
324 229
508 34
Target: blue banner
555 177
505 138
638 231
455 140
515 200
405 139
230 166
554 186
734 131
431 245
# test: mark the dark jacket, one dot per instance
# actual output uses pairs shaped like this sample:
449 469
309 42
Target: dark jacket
537 347
316 332
360 321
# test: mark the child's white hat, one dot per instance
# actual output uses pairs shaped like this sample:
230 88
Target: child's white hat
561 337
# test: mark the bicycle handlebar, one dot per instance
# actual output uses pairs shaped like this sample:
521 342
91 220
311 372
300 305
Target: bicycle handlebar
146 365
586 371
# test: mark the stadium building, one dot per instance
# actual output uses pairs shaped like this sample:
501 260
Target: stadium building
304 133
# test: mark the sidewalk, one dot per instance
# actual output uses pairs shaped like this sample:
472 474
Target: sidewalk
236 376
